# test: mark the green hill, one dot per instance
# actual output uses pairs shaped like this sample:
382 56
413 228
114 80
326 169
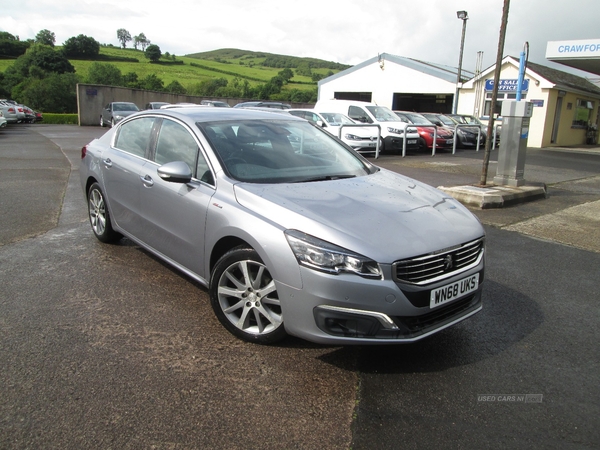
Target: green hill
255 67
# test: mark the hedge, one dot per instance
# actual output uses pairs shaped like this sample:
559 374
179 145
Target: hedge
61 119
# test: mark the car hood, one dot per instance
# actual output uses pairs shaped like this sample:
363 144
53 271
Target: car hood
384 216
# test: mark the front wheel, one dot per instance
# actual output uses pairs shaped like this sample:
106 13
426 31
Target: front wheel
102 124
244 297
99 215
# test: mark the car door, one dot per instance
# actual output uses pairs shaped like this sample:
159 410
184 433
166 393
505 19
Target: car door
121 165
174 214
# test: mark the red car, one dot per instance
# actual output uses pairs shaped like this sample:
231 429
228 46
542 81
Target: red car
445 136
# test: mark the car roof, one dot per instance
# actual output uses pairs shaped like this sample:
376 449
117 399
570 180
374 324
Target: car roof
208 114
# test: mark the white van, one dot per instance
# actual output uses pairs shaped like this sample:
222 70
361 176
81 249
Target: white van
363 140
392 128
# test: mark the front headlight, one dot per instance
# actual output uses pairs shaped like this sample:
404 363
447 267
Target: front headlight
352 137
395 130
321 255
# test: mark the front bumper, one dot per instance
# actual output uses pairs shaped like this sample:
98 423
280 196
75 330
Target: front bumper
395 143
348 309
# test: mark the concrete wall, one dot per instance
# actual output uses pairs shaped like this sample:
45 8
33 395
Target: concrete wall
91 98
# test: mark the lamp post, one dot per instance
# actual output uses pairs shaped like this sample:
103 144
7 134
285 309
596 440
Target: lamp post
462 15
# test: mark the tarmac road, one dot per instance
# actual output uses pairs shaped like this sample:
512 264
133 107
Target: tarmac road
103 346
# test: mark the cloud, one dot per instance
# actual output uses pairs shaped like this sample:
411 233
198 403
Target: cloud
346 31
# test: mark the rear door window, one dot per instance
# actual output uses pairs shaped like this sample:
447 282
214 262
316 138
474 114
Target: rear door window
134 136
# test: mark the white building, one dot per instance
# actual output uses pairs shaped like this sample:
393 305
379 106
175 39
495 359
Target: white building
567 107
396 82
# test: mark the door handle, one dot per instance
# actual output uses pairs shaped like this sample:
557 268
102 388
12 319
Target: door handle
107 162
147 180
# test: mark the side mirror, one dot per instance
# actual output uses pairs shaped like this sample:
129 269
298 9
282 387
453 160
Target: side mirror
321 123
175 172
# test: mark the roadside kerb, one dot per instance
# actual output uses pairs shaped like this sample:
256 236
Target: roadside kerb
493 196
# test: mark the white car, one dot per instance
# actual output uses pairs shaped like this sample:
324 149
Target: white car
2 120
393 130
361 139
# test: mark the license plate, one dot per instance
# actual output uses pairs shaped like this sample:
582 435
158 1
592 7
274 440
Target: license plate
412 141
453 291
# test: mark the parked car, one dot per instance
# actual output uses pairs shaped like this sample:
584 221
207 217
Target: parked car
215 103
29 114
39 117
444 135
114 112
392 128
3 120
274 105
467 137
466 119
21 116
155 105
181 105
363 140
9 111
290 230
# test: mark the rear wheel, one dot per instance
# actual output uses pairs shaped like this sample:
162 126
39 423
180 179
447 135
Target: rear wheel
244 297
99 215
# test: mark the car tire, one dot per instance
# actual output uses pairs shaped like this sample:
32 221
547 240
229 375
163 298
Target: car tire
244 297
99 216
112 122
102 124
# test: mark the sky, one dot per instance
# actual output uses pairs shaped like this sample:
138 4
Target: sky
344 31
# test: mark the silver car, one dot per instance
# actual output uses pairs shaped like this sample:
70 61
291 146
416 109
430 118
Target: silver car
114 112
290 231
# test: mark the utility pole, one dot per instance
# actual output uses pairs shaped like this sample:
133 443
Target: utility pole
462 15
490 128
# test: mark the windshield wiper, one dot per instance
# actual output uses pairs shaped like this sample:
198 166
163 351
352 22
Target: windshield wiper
325 178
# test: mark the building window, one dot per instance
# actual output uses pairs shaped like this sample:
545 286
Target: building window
583 113
499 99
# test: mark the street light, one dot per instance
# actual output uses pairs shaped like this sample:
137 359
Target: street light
462 15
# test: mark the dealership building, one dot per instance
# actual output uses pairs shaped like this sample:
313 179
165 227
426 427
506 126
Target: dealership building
566 107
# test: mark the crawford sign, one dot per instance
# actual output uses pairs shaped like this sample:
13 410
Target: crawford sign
507 85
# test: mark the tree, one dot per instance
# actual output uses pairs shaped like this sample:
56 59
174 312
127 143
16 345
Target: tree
11 45
152 83
130 80
38 63
286 74
107 74
45 37
141 40
55 93
175 87
81 47
123 36
153 53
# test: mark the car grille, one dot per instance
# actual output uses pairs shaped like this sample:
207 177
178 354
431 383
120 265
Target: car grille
416 325
434 267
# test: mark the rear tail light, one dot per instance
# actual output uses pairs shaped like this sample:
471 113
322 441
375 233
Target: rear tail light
83 151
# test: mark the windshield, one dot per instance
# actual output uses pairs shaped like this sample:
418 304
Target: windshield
336 119
471 120
281 151
383 114
447 121
417 119
125 107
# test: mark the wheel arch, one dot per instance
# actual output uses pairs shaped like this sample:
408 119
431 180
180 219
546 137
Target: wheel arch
222 246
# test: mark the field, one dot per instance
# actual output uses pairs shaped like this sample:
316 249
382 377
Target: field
225 63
